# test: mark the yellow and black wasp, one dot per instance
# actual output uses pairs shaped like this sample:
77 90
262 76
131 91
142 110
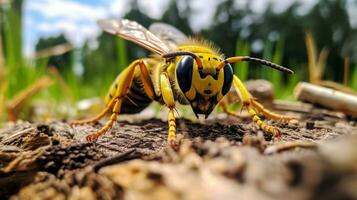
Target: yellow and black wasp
183 70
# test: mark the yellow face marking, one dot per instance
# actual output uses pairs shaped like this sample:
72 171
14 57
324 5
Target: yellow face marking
191 94
207 86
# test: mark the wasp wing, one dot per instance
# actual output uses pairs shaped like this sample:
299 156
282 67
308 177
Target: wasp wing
132 31
169 34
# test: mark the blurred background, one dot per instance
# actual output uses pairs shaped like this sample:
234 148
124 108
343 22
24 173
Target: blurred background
52 53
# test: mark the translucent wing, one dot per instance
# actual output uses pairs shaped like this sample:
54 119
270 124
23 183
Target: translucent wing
169 34
136 33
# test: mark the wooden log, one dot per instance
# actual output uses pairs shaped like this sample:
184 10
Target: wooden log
326 97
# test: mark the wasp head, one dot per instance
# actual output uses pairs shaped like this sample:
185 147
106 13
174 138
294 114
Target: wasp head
203 87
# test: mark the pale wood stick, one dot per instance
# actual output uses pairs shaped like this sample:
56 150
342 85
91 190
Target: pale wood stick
328 98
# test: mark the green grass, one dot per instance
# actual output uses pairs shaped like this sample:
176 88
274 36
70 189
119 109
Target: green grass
354 78
122 54
268 52
276 77
241 69
273 51
18 73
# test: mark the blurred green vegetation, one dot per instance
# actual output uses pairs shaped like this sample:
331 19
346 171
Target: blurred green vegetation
17 72
279 37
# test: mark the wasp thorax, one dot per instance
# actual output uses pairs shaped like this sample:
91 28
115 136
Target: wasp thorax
205 87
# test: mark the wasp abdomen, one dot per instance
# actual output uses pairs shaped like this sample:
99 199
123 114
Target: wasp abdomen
135 101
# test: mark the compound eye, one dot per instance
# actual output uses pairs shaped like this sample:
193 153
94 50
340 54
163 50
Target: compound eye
228 78
184 73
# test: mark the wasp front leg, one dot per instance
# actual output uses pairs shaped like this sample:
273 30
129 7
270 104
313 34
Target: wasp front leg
224 105
269 114
167 95
254 108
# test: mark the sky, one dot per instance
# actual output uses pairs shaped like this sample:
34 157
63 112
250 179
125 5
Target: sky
77 18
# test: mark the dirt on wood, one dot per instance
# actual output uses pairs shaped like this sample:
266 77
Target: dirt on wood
221 158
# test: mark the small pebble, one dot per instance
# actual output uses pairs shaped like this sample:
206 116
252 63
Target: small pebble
310 125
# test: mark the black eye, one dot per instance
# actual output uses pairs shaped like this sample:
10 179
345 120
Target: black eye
228 78
184 73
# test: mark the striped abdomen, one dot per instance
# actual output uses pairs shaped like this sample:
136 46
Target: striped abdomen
136 99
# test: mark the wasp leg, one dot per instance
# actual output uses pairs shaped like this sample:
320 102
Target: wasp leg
124 84
148 87
271 115
224 106
259 108
253 108
96 118
169 101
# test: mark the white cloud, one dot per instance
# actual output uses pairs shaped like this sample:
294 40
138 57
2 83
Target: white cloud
118 8
53 9
153 8
44 27
278 6
57 26
305 6
203 12
76 20
352 12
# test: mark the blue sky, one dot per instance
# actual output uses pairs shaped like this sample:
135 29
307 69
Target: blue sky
77 18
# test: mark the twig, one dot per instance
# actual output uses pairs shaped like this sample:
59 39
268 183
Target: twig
61 82
18 101
128 155
289 145
316 65
18 134
311 54
53 51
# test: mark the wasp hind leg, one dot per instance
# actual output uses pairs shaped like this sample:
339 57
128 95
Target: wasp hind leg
96 118
269 114
224 105
124 83
254 108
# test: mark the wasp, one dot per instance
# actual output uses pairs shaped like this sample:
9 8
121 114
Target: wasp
185 70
